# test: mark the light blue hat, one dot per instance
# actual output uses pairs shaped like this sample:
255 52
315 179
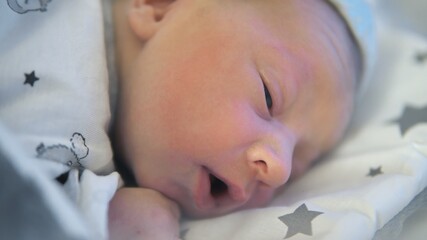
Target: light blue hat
360 20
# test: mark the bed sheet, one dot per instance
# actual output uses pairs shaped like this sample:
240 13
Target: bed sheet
411 221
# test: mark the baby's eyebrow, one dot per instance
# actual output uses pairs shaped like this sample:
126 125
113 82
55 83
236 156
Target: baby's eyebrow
290 60
289 71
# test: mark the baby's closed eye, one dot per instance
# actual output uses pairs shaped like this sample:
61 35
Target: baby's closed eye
268 99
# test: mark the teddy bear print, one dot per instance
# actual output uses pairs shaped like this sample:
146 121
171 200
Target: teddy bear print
24 6
68 155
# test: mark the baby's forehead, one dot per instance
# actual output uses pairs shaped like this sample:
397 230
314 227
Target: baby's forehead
361 42
356 15
359 18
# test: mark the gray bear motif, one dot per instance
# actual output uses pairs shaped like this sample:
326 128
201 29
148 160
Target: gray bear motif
24 6
69 156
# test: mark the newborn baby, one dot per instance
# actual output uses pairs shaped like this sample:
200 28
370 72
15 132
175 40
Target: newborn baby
222 102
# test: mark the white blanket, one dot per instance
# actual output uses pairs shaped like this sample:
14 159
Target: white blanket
54 102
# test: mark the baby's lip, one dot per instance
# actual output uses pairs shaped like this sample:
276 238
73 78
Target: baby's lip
201 195
205 201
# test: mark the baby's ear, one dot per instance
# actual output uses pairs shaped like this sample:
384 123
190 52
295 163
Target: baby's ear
145 16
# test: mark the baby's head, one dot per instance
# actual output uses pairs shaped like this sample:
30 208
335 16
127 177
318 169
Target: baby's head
222 101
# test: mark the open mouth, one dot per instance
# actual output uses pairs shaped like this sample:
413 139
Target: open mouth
215 195
218 187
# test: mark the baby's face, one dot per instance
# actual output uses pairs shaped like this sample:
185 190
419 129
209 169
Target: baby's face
229 97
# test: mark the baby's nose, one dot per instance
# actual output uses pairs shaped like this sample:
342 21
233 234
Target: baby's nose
271 167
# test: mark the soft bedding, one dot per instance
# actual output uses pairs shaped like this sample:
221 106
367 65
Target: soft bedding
54 103
371 187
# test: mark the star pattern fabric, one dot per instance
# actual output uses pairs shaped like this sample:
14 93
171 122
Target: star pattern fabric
373 172
299 221
411 116
421 57
183 233
31 78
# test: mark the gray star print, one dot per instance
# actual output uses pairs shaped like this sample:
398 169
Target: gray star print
421 57
411 116
299 221
183 233
374 172
30 78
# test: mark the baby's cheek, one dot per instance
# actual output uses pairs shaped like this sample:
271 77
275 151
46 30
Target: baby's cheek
220 129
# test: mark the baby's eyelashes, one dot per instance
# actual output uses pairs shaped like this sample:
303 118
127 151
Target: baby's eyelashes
268 99
270 90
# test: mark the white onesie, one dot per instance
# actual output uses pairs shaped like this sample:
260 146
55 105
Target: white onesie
54 97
